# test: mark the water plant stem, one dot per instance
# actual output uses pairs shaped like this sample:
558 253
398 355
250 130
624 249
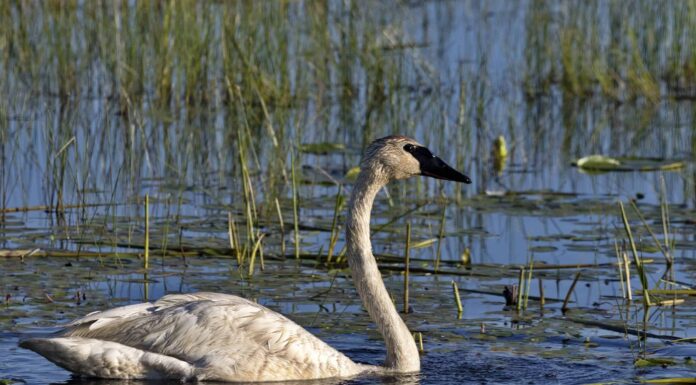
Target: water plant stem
664 251
295 214
564 308
529 283
282 227
520 288
440 237
627 270
147 231
457 300
334 225
407 261
636 258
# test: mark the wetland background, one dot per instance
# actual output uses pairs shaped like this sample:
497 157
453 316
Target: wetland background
242 122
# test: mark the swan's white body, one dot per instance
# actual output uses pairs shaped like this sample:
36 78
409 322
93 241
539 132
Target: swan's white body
202 336
210 336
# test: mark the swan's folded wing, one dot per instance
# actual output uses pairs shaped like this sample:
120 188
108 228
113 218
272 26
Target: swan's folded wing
178 299
227 337
99 319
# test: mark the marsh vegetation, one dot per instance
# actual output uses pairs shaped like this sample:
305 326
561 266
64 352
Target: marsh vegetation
242 122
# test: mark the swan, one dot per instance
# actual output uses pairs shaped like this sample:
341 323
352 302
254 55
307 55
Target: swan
221 337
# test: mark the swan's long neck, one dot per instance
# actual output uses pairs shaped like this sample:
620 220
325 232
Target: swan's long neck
402 353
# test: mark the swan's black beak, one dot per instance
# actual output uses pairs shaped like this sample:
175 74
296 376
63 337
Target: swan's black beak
435 167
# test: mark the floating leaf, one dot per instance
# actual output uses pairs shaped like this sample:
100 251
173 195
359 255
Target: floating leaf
598 162
601 163
665 167
18 253
673 380
542 249
643 362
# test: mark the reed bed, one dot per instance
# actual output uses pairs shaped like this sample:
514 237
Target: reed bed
212 111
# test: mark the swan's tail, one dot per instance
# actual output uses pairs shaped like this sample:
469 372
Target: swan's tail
106 359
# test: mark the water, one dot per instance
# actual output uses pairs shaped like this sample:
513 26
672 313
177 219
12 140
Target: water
116 103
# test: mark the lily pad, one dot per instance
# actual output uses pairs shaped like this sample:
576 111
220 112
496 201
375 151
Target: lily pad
643 362
598 162
601 163
543 249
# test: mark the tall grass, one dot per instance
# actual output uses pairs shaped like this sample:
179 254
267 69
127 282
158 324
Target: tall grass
213 97
621 50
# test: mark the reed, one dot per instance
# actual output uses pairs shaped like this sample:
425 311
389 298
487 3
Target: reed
521 290
457 300
620 264
419 339
440 237
146 263
658 244
627 270
407 263
281 223
295 207
637 260
334 224
528 283
257 250
664 215
564 308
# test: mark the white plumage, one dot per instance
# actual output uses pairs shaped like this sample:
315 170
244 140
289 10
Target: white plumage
203 336
211 336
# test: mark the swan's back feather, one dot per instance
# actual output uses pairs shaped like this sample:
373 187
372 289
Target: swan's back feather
225 337
97 319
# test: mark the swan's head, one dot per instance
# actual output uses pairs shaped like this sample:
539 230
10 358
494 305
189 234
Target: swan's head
400 157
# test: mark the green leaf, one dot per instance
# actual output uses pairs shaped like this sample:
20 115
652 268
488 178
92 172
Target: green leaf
598 162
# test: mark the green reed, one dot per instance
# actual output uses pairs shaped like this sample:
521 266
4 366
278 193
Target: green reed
636 258
407 264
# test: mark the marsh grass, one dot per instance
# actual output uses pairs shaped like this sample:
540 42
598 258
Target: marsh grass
636 258
229 100
457 300
564 308
601 51
407 266
208 107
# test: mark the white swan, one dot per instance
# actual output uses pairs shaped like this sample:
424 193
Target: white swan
210 336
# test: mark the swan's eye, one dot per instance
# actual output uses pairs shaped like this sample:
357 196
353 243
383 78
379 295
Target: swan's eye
409 148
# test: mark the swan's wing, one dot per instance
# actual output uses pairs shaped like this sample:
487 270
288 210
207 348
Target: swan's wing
101 318
225 337
177 299
97 319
